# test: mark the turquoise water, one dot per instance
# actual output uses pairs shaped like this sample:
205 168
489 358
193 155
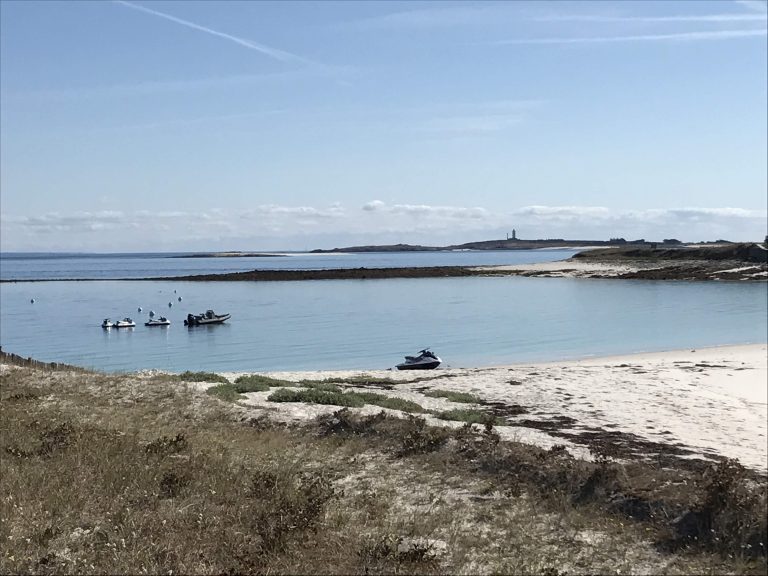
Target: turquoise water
371 324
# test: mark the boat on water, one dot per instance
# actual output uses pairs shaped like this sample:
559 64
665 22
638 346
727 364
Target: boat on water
107 323
125 323
426 360
210 317
161 321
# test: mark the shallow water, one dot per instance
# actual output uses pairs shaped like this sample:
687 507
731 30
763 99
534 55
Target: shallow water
116 266
371 324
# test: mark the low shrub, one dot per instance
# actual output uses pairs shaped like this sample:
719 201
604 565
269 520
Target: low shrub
391 402
338 398
315 397
418 438
202 377
471 416
257 383
362 380
730 517
225 392
321 386
453 396
345 421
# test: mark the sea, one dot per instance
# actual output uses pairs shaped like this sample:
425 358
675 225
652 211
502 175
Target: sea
353 324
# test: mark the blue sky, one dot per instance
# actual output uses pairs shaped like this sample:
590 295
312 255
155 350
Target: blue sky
264 126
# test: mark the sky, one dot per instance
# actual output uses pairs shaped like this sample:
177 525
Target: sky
184 126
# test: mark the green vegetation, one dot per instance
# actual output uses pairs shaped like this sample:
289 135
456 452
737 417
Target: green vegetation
391 402
362 380
259 383
322 386
315 397
202 377
471 416
453 396
338 398
226 392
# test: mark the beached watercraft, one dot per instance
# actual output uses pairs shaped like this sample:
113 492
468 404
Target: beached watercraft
426 360
210 317
161 321
125 323
107 323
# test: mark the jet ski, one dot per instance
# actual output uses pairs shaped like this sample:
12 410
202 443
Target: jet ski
125 323
426 360
161 321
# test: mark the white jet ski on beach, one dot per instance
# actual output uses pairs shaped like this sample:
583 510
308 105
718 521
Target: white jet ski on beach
426 360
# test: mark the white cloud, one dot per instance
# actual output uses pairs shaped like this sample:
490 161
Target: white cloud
333 211
295 227
564 212
451 212
374 205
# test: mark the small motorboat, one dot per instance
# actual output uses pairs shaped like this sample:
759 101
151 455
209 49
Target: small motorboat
210 317
107 323
161 321
125 323
426 360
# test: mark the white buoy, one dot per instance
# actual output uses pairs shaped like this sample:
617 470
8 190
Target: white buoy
151 313
179 298
139 308
170 304
32 301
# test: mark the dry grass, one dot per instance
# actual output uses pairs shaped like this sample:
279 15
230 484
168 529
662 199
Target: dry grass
118 474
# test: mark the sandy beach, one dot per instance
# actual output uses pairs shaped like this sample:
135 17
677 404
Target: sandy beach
705 403
651 270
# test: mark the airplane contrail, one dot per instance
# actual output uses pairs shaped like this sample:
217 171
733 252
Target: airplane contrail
680 36
275 53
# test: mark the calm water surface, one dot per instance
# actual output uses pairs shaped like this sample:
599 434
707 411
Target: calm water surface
56 266
371 324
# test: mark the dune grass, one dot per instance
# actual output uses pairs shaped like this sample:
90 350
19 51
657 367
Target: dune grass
339 398
259 383
202 377
462 397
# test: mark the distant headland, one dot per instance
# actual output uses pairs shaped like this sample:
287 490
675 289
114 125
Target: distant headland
507 244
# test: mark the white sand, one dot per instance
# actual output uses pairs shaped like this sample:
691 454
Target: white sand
711 401
566 269
574 268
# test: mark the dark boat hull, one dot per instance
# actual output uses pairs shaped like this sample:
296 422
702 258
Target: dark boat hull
419 366
207 321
